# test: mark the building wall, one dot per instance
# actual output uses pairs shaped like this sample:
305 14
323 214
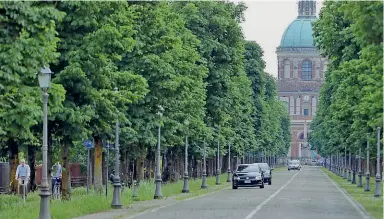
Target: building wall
299 94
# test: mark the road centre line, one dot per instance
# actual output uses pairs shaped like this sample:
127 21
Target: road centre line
250 215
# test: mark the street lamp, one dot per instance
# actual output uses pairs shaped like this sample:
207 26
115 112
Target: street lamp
354 170
158 193
360 174
44 81
345 162
229 163
204 180
186 186
378 178
218 164
367 174
349 167
116 179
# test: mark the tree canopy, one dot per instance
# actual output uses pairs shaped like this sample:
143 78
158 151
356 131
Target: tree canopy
350 35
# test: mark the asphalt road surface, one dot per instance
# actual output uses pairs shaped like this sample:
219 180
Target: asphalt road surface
304 194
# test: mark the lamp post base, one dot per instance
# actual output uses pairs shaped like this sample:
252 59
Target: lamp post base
217 179
186 186
360 181
367 189
158 193
377 189
229 176
44 203
116 195
204 181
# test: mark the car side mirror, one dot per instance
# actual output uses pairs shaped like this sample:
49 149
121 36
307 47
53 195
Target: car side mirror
271 169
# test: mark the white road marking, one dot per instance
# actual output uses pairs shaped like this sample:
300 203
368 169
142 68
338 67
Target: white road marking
177 202
250 215
362 213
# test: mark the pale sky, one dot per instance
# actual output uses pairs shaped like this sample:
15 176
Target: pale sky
265 22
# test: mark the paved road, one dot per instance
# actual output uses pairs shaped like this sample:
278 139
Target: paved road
305 194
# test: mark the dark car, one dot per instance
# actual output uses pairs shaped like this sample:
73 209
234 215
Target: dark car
267 172
247 175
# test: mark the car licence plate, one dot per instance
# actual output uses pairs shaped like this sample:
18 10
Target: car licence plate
247 181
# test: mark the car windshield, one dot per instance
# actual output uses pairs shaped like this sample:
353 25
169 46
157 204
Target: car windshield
264 166
248 168
294 162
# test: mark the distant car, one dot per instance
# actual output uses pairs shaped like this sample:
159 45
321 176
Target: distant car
248 175
267 172
294 165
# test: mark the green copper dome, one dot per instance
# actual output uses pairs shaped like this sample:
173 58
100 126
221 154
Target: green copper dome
298 33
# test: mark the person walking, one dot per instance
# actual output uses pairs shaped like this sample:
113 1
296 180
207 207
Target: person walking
58 175
23 173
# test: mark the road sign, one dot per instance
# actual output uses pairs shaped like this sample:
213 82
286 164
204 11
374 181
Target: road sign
108 145
88 144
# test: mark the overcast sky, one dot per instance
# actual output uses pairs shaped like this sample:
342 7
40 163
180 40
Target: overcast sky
265 22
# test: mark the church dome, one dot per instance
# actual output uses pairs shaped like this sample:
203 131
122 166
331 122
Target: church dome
298 34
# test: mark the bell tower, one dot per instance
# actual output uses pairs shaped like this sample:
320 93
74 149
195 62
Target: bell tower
307 8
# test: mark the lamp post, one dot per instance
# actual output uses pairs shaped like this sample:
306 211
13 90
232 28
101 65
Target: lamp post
354 170
186 186
349 167
378 178
345 162
218 164
367 174
116 179
158 193
44 82
360 174
229 163
204 180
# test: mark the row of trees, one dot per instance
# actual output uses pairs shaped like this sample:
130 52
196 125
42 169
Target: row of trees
350 34
190 58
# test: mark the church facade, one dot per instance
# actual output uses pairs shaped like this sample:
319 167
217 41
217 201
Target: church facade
300 76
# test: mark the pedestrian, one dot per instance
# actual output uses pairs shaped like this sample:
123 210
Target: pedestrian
58 175
23 173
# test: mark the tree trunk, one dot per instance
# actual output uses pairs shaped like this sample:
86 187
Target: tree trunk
98 156
166 174
140 167
14 162
66 173
32 165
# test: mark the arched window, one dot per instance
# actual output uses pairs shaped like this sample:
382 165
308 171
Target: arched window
306 70
287 69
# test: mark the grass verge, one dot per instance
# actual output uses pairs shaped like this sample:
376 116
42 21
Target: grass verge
82 203
373 205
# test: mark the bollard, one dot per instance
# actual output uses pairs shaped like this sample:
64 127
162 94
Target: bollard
134 195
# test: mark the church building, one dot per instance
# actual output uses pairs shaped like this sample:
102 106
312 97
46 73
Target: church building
300 76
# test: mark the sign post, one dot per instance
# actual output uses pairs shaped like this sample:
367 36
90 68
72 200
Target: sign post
88 144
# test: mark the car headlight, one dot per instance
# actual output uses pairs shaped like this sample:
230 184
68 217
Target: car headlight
258 177
237 178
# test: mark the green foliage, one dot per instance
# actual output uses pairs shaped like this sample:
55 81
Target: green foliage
351 100
190 58
28 42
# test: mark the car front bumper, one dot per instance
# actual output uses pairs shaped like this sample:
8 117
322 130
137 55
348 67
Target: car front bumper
247 182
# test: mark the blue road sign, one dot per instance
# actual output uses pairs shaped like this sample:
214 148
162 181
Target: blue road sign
88 144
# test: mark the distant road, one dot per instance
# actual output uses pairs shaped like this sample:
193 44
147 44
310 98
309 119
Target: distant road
304 194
